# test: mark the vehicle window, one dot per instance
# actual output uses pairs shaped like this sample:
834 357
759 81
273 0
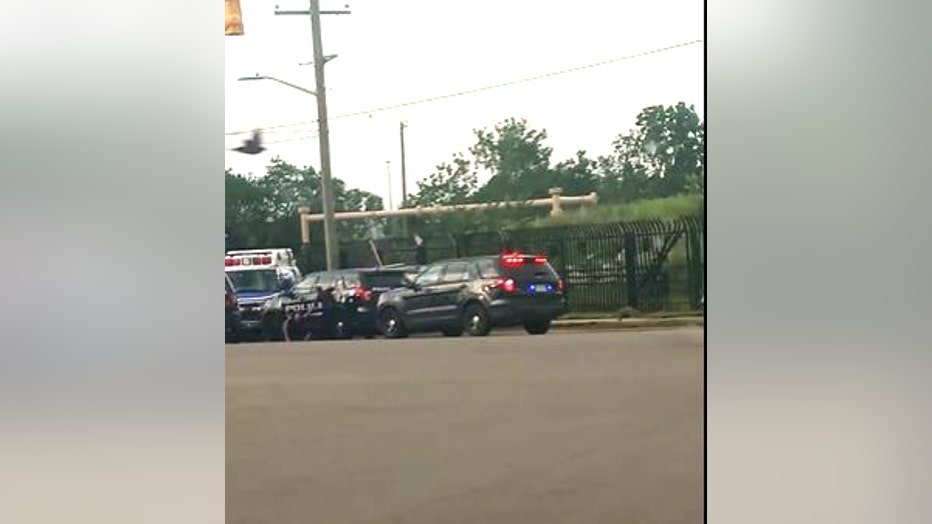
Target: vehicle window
350 280
456 272
389 279
488 268
254 281
430 276
327 280
229 286
528 270
306 285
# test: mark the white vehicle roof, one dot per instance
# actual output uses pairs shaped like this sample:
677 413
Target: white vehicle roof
253 259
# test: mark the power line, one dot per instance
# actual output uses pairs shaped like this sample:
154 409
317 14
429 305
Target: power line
296 139
481 89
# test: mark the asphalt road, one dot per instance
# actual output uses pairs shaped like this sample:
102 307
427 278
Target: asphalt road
570 427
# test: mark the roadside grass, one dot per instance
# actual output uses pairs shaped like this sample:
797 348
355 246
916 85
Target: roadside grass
654 209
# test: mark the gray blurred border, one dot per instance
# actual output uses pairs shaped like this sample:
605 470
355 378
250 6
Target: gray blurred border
817 356
111 222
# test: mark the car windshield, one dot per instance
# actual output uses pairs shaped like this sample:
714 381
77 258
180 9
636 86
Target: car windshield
384 279
254 281
526 270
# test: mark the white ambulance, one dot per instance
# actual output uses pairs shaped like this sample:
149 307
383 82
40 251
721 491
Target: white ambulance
258 275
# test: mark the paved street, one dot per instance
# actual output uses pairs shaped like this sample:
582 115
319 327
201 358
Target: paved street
570 427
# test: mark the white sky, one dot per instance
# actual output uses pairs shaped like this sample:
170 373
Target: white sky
398 51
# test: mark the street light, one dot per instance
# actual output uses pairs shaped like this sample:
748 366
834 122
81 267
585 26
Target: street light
289 84
331 243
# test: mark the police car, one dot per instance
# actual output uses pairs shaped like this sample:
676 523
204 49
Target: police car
258 275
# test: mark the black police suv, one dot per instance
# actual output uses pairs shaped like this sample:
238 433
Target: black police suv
473 295
301 312
357 293
334 304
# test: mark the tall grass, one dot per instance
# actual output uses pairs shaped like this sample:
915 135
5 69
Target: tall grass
660 208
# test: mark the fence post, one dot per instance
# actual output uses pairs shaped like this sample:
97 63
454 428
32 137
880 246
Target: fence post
695 265
631 271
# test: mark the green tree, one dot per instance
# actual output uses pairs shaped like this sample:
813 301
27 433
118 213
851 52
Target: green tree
577 176
245 209
662 156
625 174
519 163
263 211
453 183
516 156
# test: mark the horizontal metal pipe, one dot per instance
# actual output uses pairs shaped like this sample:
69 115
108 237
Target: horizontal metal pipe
590 199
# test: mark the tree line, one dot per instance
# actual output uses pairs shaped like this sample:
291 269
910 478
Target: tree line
663 155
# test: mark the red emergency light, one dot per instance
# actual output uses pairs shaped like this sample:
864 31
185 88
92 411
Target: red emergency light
518 259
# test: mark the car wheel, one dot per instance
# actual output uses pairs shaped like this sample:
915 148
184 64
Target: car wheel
391 324
273 328
537 327
341 330
476 321
232 335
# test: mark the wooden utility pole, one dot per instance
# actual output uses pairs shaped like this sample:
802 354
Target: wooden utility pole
404 181
404 178
331 242
388 169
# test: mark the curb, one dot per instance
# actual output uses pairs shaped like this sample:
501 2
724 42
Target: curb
628 323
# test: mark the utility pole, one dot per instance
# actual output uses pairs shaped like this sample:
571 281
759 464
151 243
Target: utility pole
388 168
404 187
331 242
404 180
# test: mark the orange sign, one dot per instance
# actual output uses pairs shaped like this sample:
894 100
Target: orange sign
234 18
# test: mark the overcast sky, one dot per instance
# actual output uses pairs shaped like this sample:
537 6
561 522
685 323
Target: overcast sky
393 52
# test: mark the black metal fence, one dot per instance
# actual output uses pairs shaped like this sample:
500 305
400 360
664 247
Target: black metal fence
646 265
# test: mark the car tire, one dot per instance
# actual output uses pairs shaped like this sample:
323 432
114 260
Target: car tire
273 328
537 327
232 335
476 320
342 330
391 324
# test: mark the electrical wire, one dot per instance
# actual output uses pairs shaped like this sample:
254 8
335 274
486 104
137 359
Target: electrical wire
479 89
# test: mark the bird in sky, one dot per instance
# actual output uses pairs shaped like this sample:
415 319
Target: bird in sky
252 146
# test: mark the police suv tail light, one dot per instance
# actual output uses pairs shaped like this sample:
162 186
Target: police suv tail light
506 284
363 293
